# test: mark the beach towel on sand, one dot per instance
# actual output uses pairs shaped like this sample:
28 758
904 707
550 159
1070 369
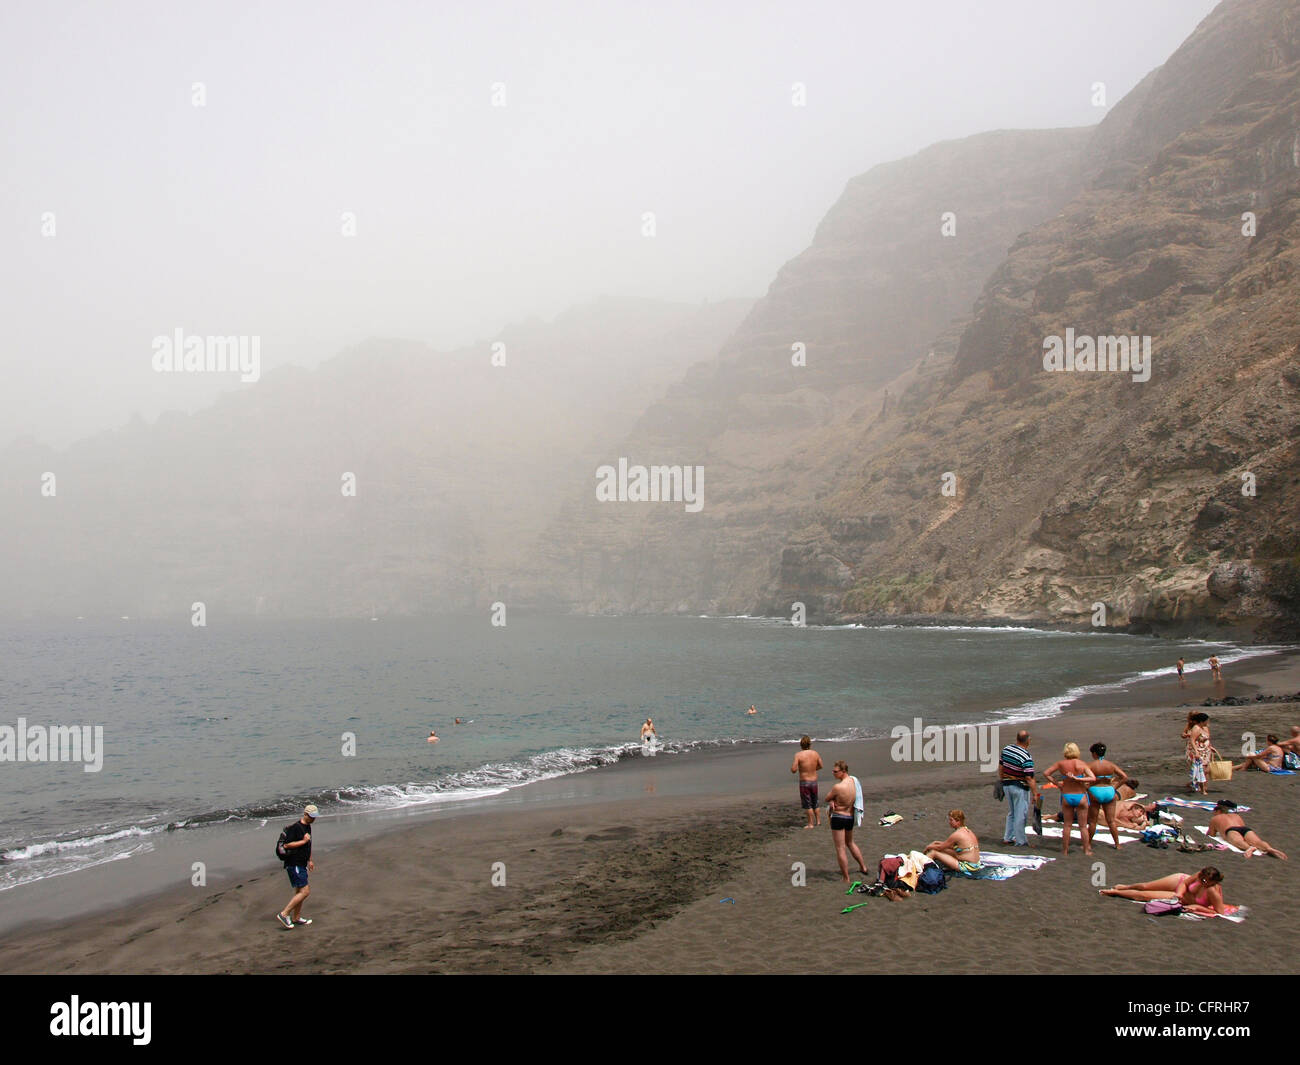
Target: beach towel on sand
1054 832
1197 804
1236 916
1220 844
1005 866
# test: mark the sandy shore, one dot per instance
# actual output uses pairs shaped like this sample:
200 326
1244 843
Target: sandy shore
631 885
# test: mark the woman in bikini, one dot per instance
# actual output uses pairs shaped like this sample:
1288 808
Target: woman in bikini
1226 819
1268 759
960 851
1199 893
1075 778
1103 794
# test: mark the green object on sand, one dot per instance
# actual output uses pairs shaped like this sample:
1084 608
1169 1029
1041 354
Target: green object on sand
850 909
853 887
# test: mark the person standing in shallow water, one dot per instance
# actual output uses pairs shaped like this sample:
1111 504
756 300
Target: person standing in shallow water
1181 682
807 763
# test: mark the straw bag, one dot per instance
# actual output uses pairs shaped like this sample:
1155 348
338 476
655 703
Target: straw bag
1220 770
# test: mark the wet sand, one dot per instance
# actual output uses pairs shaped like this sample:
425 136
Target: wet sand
625 870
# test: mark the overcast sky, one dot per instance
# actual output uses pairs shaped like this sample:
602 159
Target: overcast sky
226 218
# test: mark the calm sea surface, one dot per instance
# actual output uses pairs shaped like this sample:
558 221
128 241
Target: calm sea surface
249 720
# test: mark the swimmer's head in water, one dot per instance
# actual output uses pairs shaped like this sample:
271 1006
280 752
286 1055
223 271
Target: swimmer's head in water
1071 750
1098 750
805 743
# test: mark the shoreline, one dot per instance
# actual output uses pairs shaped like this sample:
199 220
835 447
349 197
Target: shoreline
693 820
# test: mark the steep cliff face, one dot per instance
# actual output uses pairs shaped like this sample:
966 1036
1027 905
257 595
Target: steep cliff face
457 464
1174 501
774 420
925 462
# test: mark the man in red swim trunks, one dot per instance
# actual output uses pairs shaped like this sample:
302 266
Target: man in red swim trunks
806 763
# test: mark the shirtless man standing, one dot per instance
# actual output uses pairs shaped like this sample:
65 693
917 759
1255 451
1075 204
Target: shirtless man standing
841 801
806 763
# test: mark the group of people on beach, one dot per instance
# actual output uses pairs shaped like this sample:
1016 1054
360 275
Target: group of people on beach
1216 670
1089 791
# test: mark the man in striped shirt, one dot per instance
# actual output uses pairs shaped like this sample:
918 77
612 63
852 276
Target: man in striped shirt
1016 771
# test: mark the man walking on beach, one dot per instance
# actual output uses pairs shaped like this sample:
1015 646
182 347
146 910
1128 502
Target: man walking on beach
298 864
1016 771
842 801
807 763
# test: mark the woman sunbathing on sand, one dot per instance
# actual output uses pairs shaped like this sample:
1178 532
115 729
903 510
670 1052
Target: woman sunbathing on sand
1130 813
1268 759
1226 819
1198 892
1075 778
1103 793
961 850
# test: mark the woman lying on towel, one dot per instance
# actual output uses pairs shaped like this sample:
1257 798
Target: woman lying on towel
1199 893
1226 819
960 851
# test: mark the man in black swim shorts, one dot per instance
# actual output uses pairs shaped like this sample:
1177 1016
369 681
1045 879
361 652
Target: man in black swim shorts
841 801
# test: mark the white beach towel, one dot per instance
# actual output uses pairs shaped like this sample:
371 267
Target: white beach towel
1205 830
1236 918
859 807
1197 804
1054 832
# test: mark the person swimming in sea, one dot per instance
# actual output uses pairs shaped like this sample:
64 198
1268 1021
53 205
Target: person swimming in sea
751 710
1200 893
1103 793
433 736
1226 819
1075 778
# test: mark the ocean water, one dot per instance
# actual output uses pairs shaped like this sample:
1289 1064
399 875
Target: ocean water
247 721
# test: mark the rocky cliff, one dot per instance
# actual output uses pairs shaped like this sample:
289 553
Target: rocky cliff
925 461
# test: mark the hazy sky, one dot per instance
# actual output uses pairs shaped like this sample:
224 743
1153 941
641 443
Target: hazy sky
226 218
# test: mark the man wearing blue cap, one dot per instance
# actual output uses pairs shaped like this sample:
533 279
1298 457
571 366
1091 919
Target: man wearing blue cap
298 863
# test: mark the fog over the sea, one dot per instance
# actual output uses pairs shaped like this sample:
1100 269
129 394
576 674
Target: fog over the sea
226 218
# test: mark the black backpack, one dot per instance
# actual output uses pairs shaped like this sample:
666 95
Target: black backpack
282 854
